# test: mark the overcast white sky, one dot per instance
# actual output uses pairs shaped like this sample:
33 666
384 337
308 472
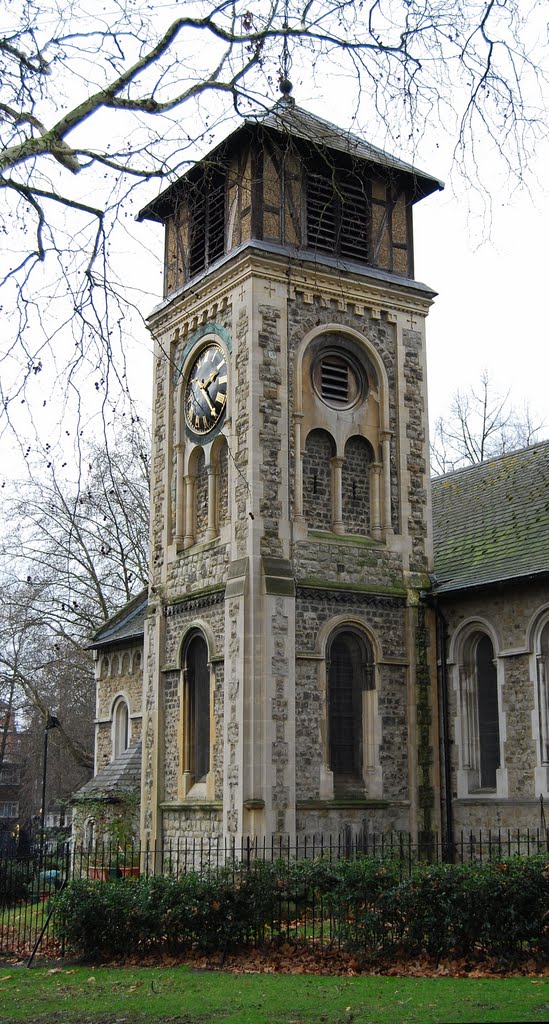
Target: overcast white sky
490 311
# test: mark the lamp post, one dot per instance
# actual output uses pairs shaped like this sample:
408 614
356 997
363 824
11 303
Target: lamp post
51 723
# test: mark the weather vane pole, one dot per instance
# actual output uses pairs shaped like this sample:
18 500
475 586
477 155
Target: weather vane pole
284 77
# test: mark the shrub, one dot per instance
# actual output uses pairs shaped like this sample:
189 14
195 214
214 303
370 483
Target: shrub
500 908
14 881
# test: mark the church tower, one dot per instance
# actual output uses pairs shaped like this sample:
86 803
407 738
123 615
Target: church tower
288 683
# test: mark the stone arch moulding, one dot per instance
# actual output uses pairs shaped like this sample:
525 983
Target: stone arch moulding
535 626
343 621
370 351
120 695
473 739
474 624
374 426
197 626
371 780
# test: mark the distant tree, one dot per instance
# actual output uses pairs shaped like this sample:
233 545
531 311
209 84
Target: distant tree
74 553
81 545
481 425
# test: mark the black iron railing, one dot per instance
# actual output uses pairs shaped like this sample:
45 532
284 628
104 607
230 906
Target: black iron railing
28 883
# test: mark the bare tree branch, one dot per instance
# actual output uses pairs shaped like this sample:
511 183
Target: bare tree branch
481 425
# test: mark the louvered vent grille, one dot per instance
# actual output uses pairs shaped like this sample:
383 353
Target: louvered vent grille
354 221
321 214
216 222
334 380
338 215
207 207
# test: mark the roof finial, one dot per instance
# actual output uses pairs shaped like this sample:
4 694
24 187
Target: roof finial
284 82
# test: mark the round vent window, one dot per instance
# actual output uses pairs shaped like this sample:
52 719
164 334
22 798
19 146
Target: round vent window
338 380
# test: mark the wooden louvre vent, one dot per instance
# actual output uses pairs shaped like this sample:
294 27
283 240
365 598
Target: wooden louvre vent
207 207
338 214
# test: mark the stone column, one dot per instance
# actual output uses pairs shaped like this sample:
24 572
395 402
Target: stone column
179 497
188 539
211 531
337 510
386 446
298 489
375 499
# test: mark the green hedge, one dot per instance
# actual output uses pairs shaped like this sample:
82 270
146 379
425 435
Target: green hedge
14 881
498 909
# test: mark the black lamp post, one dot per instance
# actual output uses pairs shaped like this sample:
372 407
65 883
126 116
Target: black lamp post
51 723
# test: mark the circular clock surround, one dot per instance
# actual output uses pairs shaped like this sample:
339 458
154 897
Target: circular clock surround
206 390
338 379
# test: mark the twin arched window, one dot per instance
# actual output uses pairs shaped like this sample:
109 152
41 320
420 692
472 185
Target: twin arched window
202 506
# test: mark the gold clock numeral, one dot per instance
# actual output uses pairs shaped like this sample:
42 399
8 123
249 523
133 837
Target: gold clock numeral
221 399
204 422
196 422
222 380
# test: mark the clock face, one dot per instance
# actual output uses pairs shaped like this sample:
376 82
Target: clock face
206 390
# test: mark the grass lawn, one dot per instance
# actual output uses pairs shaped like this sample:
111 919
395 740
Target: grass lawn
185 996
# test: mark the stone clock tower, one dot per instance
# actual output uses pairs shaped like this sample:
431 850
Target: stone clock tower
288 664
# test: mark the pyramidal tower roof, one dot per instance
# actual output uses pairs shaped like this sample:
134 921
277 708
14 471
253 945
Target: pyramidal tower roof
287 119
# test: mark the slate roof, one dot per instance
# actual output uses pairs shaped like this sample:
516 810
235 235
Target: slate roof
126 624
288 119
118 778
491 521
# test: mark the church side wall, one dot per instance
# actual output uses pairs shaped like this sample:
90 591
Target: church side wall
119 676
508 615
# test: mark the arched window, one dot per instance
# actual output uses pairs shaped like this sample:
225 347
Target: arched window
120 728
480 712
542 661
196 710
350 666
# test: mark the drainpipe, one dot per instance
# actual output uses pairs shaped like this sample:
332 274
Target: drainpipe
447 808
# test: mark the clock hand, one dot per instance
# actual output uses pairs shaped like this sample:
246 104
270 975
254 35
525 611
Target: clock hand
206 383
207 397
